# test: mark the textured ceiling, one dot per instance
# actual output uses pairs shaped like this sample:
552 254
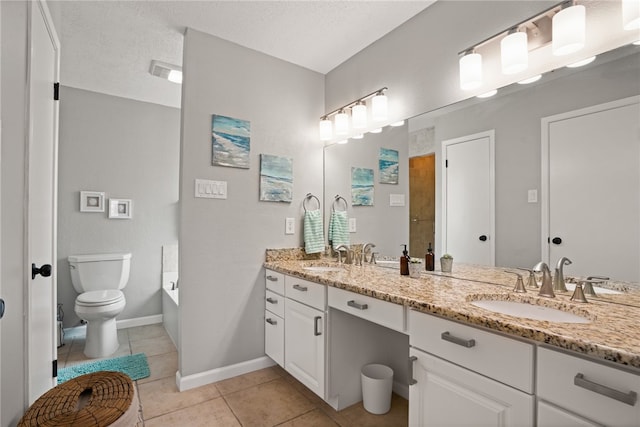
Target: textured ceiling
107 46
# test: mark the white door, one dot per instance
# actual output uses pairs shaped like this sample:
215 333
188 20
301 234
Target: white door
304 345
592 203
41 202
445 394
468 192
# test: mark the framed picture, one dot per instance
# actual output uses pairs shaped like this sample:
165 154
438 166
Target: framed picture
276 178
231 141
361 187
120 208
91 201
388 166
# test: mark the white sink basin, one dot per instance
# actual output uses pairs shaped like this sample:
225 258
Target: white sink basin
598 290
322 269
530 311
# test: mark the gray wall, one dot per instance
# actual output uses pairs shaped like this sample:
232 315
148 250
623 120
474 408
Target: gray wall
130 150
223 242
385 226
13 214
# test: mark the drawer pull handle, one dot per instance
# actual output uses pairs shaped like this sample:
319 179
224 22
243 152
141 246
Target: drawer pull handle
272 301
300 288
628 398
412 381
272 322
354 304
315 326
465 343
272 278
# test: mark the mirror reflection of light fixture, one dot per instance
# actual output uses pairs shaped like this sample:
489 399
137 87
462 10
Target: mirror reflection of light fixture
342 123
582 62
378 130
379 107
359 115
488 94
568 30
470 70
358 136
514 52
326 129
630 14
530 80
396 124
164 70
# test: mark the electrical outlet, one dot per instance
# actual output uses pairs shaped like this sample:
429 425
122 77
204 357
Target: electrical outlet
532 196
352 225
289 225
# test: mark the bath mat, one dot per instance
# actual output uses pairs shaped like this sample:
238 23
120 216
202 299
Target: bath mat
135 366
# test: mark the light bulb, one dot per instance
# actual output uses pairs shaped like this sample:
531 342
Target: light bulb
470 71
342 123
326 129
359 116
379 108
568 30
514 53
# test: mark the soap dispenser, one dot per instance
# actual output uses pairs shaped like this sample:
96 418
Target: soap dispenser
404 262
429 259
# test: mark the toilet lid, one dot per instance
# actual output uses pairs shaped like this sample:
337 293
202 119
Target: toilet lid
108 296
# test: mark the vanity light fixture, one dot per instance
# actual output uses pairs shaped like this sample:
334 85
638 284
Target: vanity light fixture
530 80
630 14
568 29
582 62
514 52
358 109
164 70
488 94
470 70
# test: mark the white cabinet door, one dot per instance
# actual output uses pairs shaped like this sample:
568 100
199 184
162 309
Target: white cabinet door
304 344
274 337
448 395
552 416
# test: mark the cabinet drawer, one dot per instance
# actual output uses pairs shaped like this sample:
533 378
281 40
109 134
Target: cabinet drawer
597 392
503 359
274 281
309 293
274 337
374 310
274 303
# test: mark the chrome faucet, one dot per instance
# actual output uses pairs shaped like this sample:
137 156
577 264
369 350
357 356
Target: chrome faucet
546 289
558 277
348 257
588 284
366 249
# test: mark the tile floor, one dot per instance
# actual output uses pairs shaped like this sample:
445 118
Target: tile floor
268 397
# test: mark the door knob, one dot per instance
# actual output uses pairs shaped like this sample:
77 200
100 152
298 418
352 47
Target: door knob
556 240
1 308
483 238
44 271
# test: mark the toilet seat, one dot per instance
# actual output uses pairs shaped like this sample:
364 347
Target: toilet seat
99 298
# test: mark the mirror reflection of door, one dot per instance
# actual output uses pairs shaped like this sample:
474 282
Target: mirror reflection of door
468 191
422 203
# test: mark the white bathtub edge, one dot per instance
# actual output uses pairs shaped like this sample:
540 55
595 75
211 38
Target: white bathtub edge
214 375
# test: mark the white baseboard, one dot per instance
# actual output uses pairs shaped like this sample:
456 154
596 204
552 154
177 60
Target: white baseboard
214 375
401 389
80 331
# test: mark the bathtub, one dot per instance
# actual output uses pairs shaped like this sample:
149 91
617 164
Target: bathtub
170 303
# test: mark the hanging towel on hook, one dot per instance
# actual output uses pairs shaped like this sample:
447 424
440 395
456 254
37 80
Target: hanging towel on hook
313 236
338 228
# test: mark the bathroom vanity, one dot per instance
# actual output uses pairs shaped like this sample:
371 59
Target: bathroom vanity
449 354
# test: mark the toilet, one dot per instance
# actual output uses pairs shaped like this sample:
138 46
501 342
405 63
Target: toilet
98 279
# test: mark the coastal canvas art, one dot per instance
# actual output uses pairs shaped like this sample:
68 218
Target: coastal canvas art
276 178
231 140
361 187
388 165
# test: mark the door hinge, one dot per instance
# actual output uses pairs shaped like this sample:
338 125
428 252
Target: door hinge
446 163
54 370
56 91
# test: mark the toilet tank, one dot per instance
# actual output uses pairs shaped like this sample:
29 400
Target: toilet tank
96 272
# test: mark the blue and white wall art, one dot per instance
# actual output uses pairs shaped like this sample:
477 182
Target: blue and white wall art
361 187
231 140
276 178
388 165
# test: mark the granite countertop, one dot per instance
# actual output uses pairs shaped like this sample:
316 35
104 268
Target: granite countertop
611 335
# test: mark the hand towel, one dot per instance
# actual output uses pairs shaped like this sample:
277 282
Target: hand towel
313 236
339 228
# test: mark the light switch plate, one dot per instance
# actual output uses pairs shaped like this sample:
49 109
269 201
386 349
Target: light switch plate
289 225
532 196
208 189
352 225
396 200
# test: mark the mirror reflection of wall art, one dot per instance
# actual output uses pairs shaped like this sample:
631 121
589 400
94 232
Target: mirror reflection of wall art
91 201
120 208
361 187
276 178
388 165
231 142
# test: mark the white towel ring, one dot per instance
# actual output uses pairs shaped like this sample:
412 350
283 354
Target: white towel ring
307 198
336 203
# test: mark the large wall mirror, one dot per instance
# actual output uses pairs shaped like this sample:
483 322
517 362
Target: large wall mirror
515 116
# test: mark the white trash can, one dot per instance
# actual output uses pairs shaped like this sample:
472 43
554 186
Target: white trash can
377 382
